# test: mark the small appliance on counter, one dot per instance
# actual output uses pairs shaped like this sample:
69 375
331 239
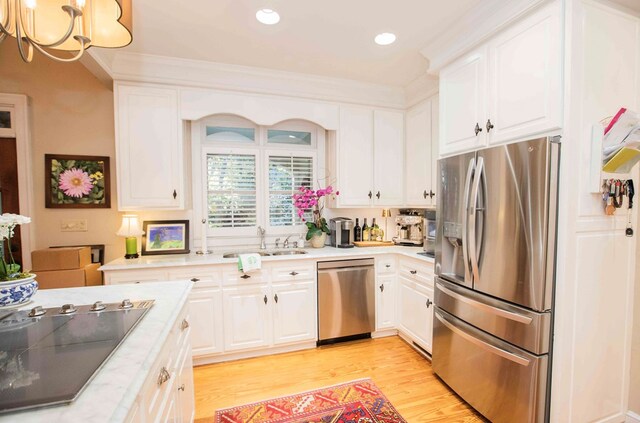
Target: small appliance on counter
341 229
56 351
409 227
429 237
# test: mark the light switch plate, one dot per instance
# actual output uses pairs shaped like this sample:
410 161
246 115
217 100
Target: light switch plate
73 225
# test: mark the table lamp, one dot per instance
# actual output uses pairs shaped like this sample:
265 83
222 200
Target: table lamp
386 213
130 229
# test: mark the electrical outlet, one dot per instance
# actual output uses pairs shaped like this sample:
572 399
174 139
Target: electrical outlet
73 225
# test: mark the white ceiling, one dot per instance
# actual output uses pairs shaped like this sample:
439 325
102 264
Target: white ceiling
323 37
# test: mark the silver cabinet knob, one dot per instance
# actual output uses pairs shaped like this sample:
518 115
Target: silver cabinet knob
293 273
413 272
97 306
184 324
181 387
126 304
68 309
387 266
429 302
194 280
382 288
37 312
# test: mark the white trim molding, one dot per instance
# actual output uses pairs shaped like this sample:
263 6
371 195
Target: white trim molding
632 417
201 74
19 105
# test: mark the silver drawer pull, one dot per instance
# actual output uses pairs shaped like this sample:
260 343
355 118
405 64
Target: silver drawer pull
163 376
413 272
194 280
293 273
184 325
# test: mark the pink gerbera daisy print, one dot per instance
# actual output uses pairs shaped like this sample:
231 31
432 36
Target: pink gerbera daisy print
75 183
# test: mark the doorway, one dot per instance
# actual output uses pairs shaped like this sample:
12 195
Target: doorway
9 194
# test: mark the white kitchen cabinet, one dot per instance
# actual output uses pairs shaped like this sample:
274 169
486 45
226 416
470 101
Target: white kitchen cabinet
294 312
185 388
247 317
421 154
388 175
463 86
149 148
385 302
355 157
506 89
525 77
206 322
370 148
415 311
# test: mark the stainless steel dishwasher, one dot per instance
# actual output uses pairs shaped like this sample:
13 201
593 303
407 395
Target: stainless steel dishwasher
346 300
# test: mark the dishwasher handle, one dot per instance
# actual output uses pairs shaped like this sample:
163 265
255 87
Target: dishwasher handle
340 264
345 269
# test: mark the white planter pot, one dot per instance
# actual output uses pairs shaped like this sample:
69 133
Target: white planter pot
318 241
17 292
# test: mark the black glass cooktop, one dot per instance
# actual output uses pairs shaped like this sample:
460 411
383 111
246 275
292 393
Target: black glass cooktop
48 358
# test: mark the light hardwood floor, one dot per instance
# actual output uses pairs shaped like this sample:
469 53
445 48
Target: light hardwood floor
402 374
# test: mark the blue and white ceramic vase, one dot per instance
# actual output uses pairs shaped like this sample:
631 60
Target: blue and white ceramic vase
17 292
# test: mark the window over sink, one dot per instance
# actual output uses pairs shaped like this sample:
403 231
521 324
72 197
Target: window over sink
251 172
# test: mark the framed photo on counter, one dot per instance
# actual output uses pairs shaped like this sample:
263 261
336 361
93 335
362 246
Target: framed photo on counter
165 237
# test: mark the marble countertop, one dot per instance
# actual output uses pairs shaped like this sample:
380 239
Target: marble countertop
150 262
112 392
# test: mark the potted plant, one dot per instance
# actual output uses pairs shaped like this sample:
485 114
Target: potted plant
307 199
15 287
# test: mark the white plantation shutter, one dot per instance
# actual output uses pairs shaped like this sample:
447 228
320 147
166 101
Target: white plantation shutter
286 175
231 190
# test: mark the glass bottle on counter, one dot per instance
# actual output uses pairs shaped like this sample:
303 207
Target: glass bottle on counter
357 231
365 231
374 231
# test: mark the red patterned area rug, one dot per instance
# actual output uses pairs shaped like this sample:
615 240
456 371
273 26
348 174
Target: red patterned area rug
359 401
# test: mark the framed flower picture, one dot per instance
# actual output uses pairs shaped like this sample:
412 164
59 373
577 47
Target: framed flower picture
165 237
77 181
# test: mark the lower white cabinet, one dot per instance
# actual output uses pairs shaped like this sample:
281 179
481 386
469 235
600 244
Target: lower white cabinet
246 317
415 311
294 312
206 325
185 389
385 302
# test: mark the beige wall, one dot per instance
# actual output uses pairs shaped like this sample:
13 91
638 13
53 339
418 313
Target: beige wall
634 390
71 112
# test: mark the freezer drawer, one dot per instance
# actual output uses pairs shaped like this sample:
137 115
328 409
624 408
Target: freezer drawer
504 383
524 328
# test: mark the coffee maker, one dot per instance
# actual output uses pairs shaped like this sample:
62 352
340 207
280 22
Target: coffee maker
409 227
341 229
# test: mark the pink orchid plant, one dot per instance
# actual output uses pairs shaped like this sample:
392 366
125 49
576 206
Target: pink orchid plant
307 199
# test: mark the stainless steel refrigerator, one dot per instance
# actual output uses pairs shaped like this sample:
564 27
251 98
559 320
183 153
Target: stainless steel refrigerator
495 267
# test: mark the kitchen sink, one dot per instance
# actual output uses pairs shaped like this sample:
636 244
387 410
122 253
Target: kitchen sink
236 255
288 252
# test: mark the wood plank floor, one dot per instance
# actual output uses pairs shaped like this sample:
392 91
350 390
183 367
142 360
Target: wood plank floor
402 374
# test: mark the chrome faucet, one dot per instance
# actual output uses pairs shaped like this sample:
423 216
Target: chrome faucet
261 232
277 242
286 242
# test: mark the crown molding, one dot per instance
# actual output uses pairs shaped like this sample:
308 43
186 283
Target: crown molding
420 89
125 66
473 28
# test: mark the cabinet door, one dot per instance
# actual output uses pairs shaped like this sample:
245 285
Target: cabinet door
525 74
149 148
355 157
247 320
435 149
294 312
415 311
418 158
388 134
385 303
185 388
463 103
205 308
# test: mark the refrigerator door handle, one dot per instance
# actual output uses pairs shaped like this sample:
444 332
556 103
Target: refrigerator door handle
485 307
480 343
465 222
472 210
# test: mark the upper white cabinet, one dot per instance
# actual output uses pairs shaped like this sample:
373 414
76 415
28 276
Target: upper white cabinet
421 154
149 148
508 88
370 148
525 78
463 88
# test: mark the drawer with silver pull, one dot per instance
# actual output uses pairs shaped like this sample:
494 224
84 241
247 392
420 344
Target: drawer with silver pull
419 272
201 278
386 265
294 272
237 277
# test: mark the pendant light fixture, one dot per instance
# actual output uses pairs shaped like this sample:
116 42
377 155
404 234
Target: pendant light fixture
65 25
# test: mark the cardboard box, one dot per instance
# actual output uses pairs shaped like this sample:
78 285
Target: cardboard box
60 258
87 276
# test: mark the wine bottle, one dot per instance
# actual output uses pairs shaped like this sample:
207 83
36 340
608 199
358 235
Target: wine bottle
357 231
365 230
374 231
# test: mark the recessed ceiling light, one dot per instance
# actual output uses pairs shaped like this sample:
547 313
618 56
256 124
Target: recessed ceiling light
267 16
385 38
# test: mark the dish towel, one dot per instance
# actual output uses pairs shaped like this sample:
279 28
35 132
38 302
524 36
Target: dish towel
249 262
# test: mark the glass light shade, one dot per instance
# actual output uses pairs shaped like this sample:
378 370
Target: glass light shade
108 23
130 226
